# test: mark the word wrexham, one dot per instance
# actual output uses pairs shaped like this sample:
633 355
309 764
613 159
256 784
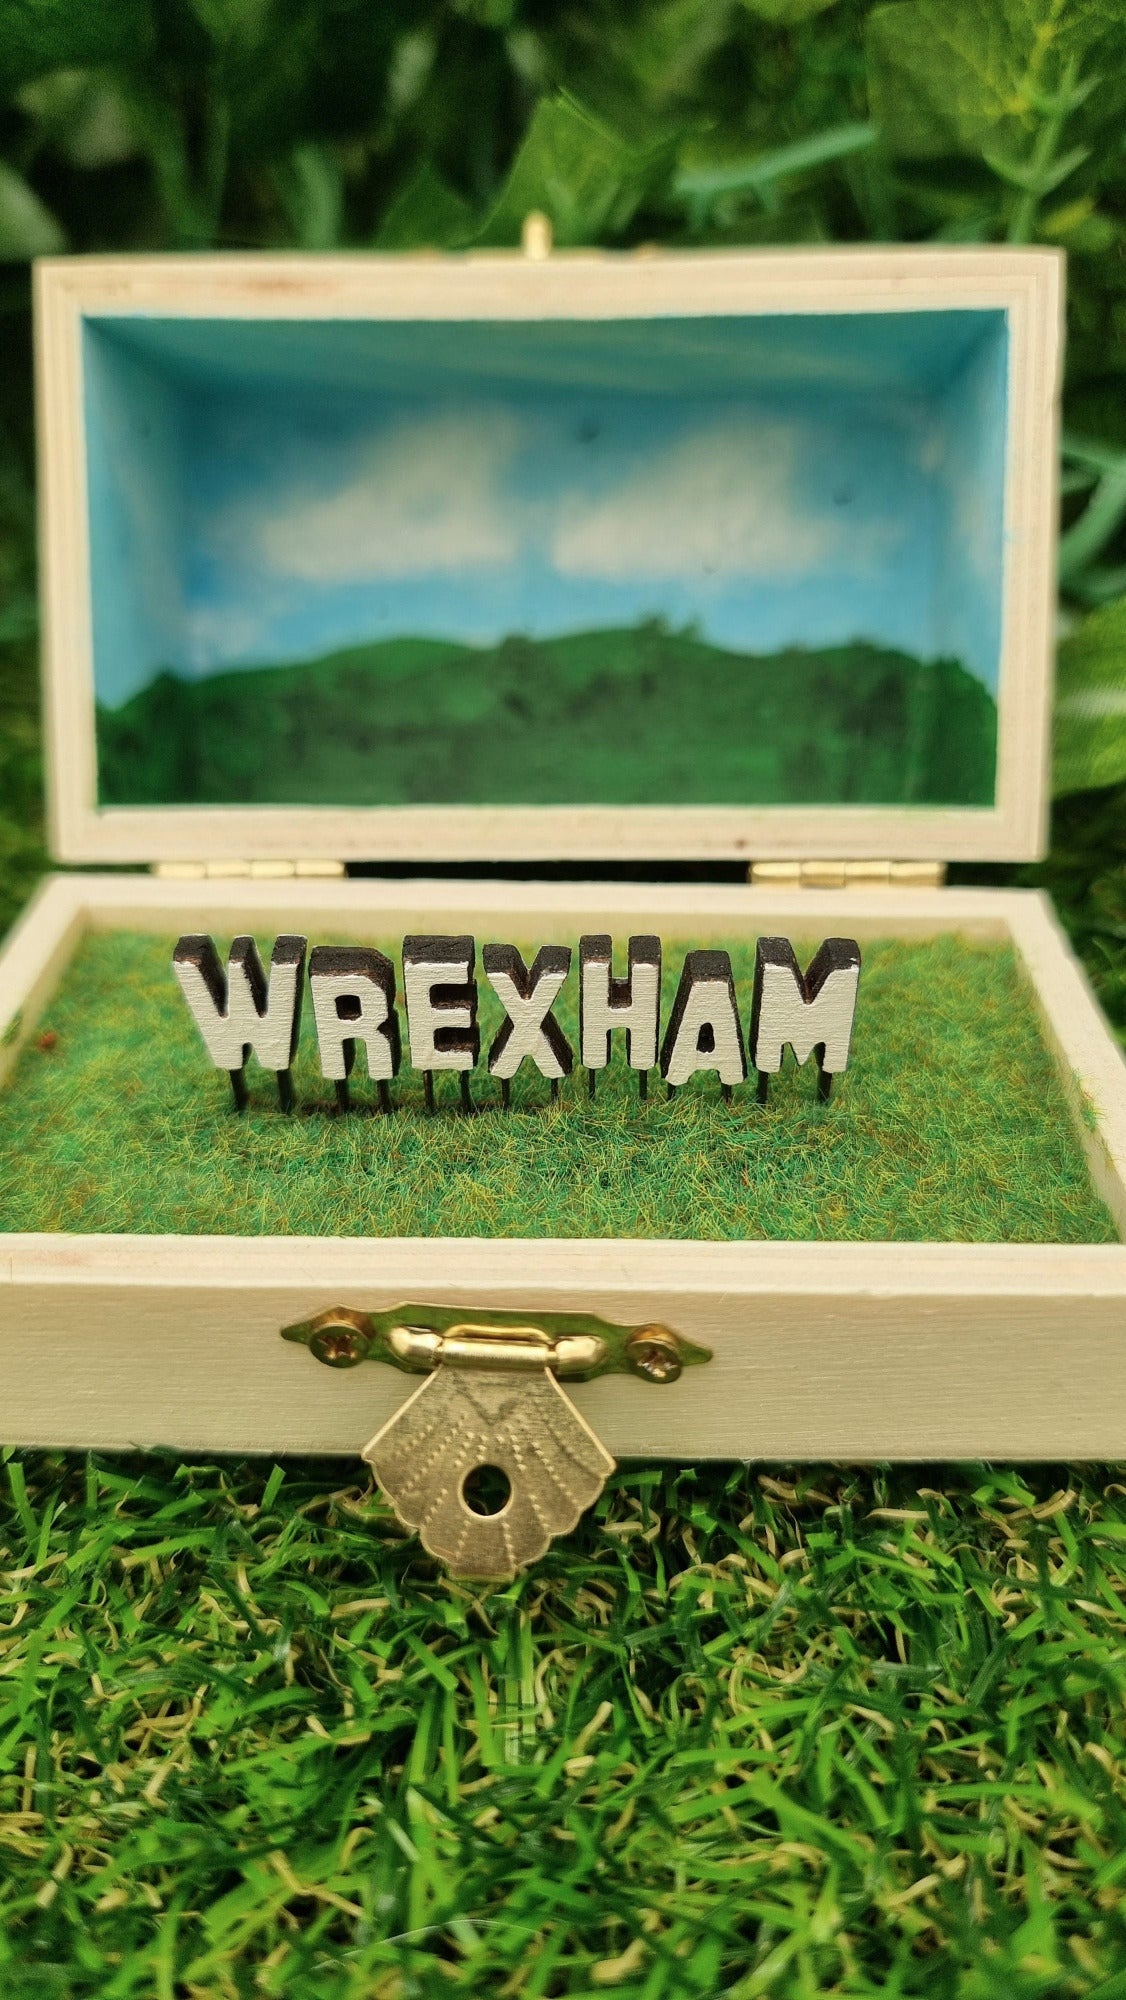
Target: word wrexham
353 988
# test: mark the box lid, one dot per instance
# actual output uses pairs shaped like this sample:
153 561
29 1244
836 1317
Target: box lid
680 556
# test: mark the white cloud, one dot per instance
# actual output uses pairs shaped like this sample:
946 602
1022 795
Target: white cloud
223 635
719 502
423 496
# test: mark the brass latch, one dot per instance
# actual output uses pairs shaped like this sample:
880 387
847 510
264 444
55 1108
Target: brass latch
489 1460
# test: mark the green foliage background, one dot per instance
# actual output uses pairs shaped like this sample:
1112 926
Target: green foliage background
321 124
742 1736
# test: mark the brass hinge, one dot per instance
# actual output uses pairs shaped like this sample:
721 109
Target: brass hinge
491 1405
847 874
257 871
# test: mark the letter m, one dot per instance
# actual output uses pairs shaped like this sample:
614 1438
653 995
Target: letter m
810 1011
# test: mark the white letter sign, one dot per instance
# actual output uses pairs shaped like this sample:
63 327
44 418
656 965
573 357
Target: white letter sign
353 991
238 1012
606 1003
530 1031
814 1012
441 995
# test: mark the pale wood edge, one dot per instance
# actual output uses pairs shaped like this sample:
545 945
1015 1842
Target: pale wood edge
1024 700
1026 284
571 285
435 834
154 902
1090 1062
854 1351
66 617
34 957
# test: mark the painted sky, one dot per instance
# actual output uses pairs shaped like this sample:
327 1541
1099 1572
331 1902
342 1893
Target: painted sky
276 517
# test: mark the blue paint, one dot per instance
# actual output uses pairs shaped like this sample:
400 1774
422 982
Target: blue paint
263 491
135 461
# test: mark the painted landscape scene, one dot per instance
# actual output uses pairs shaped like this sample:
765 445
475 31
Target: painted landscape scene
544 568
624 716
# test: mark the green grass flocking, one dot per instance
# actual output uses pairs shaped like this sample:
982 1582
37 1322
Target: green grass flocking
950 1124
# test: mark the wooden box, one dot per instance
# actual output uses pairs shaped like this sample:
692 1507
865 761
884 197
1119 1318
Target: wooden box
834 465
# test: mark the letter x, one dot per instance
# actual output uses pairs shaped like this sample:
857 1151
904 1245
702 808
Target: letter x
527 999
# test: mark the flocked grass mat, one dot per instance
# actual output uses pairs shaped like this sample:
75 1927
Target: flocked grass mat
745 1733
949 1125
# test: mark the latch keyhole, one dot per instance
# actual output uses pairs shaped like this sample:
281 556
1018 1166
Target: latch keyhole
487 1489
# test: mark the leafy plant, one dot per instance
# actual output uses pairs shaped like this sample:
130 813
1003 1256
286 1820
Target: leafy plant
746 1734
148 124
190 124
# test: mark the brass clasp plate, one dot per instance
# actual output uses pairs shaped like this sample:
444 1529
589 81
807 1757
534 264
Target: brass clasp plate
491 1401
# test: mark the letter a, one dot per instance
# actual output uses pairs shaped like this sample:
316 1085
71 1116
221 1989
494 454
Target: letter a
704 1031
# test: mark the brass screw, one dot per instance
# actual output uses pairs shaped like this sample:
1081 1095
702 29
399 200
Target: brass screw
653 1352
338 1346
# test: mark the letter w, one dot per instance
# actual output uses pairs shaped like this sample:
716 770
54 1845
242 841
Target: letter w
238 1012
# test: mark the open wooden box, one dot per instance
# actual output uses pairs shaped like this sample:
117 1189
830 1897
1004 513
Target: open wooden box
542 538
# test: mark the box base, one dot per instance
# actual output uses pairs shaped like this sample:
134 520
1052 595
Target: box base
821 1349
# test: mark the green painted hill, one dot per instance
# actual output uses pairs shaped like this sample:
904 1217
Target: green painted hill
631 717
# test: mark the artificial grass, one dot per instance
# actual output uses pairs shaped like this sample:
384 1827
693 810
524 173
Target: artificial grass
746 1733
949 1125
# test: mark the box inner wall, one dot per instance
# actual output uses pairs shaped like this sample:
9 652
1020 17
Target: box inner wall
950 1125
365 563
